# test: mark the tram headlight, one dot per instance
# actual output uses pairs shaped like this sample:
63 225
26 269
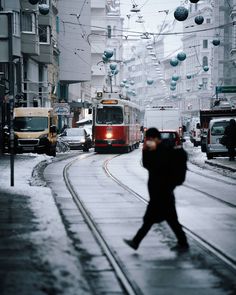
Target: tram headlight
109 135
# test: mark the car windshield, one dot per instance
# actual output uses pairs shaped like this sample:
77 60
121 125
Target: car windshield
30 124
168 135
110 115
218 128
75 132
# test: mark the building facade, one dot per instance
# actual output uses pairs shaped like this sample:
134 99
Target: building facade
196 88
224 68
106 32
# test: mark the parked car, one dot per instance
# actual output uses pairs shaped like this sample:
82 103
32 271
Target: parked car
172 136
77 138
215 132
195 132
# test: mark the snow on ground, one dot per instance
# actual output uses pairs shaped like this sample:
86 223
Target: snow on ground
54 254
197 157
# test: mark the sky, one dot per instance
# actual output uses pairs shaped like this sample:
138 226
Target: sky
153 18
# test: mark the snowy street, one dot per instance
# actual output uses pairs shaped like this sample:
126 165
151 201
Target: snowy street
53 240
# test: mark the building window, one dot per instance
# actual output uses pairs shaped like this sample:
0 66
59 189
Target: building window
28 22
45 2
204 82
205 44
205 61
208 20
44 34
196 6
108 32
57 24
16 24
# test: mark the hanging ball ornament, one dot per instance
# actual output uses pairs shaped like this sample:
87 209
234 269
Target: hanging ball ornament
194 1
44 9
33 2
216 42
181 13
188 77
173 83
113 66
181 56
199 19
172 88
132 82
115 72
122 84
206 68
150 81
108 53
175 78
126 86
104 58
174 62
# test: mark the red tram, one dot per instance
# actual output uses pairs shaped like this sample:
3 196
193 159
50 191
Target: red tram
116 125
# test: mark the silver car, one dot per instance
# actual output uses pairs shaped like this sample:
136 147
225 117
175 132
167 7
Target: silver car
215 132
77 138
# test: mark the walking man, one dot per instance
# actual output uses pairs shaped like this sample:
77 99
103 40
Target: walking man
158 161
230 132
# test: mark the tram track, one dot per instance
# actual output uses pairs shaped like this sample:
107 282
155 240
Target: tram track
206 193
129 286
210 195
210 248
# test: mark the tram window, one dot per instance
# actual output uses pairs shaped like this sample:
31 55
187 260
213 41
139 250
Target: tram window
110 115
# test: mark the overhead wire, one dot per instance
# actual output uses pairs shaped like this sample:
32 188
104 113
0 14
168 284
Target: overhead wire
161 34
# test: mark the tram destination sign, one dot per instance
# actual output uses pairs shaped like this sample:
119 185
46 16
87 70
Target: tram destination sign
225 89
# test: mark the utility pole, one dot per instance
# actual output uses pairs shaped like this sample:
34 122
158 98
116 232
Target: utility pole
110 77
11 79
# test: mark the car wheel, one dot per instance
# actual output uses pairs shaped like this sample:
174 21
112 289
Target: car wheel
85 149
209 156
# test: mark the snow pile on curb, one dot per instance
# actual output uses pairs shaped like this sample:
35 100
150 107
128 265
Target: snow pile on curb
61 270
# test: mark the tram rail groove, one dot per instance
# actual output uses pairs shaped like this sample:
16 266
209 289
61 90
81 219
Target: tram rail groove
213 250
129 287
211 177
210 196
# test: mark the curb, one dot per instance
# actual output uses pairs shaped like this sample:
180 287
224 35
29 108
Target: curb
220 166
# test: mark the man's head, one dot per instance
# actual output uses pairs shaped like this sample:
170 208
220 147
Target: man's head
153 133
153 138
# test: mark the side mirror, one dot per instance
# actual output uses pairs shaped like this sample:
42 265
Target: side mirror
53 129
183 140
198 126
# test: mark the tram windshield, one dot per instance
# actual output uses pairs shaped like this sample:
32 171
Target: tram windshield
110 115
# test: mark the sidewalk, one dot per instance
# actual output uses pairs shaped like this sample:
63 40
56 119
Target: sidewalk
36 256
219 164
223 163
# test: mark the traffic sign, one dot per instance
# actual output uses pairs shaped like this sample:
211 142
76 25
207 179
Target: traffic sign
62 109
225 89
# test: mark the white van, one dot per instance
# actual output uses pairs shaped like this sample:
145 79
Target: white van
215 132
195 132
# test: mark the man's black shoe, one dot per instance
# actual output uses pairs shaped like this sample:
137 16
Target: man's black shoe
131 244
181 248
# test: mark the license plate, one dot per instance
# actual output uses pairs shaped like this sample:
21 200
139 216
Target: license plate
28 148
